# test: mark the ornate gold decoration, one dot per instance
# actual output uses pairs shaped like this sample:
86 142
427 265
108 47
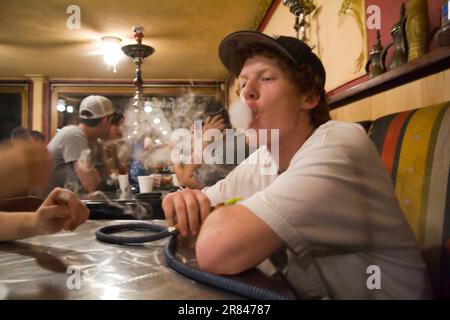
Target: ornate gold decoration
356 9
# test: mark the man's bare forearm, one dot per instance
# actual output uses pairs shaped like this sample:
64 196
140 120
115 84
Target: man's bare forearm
16 225
89 177
233 239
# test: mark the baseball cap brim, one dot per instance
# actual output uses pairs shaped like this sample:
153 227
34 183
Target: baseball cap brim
238 41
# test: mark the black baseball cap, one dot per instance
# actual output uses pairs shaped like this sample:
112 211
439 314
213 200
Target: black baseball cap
289 47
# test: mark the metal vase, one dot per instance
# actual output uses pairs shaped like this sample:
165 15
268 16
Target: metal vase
417 27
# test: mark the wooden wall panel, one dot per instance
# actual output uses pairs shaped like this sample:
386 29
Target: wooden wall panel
427 91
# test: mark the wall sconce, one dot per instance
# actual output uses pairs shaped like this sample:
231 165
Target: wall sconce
111 51
61 105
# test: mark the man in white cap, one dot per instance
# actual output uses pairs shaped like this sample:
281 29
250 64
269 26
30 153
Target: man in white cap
73 147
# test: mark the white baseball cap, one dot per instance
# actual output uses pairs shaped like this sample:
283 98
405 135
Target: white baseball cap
98 106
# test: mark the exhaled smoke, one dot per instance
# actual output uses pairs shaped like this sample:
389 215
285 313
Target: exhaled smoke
240 115
146 134
149 129
85 161
84 165
158 157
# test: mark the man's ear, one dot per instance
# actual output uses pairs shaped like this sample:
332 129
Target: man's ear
310 101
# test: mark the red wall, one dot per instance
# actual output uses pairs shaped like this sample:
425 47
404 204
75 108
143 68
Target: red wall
390 15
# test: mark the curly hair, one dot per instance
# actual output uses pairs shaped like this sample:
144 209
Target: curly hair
305 79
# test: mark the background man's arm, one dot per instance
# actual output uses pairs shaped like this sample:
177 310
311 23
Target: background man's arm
89 177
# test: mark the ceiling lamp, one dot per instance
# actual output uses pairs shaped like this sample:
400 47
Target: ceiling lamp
301 9
111 51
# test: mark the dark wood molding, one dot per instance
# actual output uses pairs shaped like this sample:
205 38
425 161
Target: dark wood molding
14 82
46 110
268 15
433 62
30 104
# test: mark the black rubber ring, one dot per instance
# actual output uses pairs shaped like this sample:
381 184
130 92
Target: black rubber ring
105 234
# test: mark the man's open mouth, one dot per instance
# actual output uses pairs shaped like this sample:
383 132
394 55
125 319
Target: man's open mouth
255 116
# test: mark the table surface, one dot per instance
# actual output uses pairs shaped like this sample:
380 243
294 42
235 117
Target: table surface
45 267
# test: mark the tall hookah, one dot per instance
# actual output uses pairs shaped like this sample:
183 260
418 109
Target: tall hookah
137 52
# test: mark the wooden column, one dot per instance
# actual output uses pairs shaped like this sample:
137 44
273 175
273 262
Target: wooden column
38 101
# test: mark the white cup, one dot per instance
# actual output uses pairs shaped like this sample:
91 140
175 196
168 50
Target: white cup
156 179
123 181
145 184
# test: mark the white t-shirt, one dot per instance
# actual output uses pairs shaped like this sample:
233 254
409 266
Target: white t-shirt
66 147
336 211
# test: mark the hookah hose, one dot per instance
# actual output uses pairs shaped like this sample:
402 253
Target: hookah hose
106 234
215 280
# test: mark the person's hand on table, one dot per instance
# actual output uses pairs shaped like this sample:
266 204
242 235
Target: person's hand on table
188 209
61 209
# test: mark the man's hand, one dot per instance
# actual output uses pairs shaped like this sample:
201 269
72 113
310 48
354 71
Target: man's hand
188 209
216 122
61 209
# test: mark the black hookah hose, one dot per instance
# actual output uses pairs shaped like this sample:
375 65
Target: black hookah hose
218 281
105 234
